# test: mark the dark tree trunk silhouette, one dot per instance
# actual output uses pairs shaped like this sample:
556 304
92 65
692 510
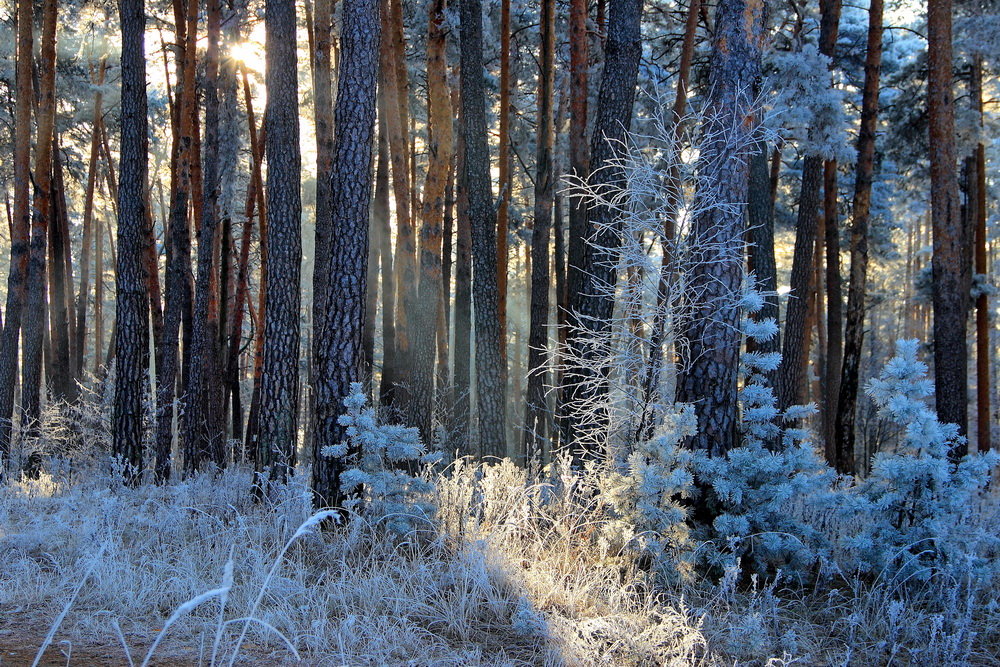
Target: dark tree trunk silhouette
339 354
983 383
131 310
463 297
590 311
861 209
490 393
538 334
177 288
710 377
203 432
19 229
950 270
34 324
279 389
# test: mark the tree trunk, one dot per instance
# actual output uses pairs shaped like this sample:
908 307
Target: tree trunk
793 353
861 208
131 314
536 419
393 80
590 307
203 432
482 219
35 306
710 378
983 384
177 293
323 118
339 354
88 216
390 361
62 384
279 389
439 158
18 266
951 272
463 297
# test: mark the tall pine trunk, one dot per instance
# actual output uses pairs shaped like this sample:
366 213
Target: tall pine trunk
439 148
339 354
710 377
538 334
950 270
861 211
279 389
35 306
590 306
490 393
132 324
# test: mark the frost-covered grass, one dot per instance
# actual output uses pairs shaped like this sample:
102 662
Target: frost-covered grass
511 571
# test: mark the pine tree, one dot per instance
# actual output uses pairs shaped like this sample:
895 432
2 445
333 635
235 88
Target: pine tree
854 335
131 311
279 389
339 355
482 219
949 263
709 377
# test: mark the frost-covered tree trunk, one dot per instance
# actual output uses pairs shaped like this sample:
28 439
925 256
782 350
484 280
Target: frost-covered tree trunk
591 305
709 374
279 389
339 355
850 381
490 393
538 333
131 311
950 270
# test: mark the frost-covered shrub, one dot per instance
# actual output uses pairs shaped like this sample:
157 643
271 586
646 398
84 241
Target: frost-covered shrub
376 464
644 495
749 493
916 511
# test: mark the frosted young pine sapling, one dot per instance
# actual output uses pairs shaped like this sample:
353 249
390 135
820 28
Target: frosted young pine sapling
751 491
919 508
375 474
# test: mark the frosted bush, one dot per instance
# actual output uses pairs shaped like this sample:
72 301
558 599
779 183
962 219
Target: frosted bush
644 495
918 509
377 474
750 492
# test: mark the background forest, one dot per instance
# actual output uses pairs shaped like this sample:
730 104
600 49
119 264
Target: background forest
518 332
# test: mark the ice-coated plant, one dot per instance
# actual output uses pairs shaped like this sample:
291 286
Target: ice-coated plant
916 511
644 495
379 460
751 491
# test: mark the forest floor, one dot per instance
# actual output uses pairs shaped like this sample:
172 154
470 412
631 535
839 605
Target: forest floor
496 580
